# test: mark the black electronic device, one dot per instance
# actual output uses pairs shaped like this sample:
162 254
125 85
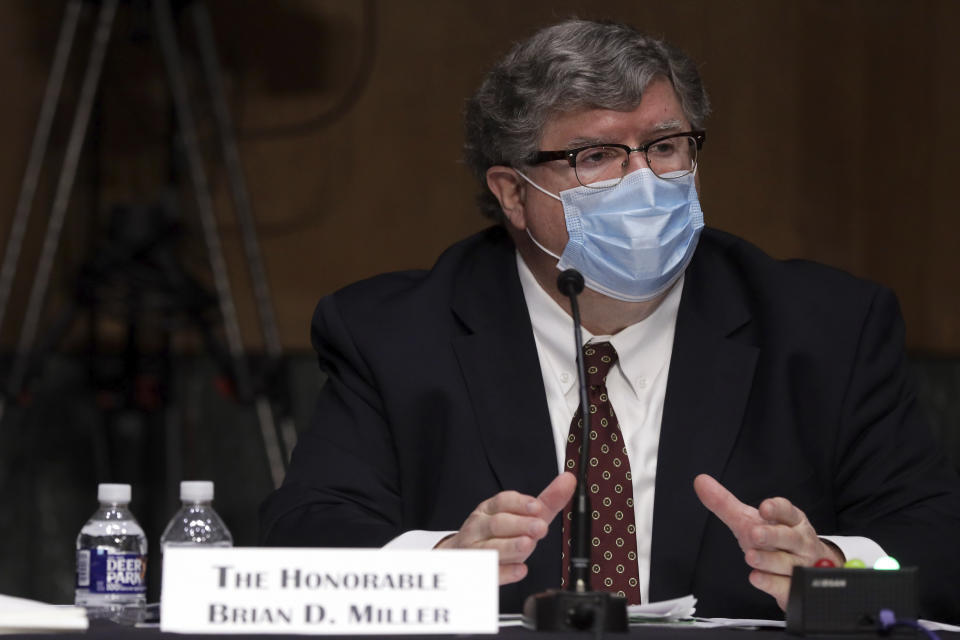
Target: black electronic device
839 601
559 610
577 608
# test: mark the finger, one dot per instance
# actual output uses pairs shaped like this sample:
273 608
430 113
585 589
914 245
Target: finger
480 527
724 505
782 511
511 502
557 494
778 563
776 586
509 525
512 572
782 538
476 534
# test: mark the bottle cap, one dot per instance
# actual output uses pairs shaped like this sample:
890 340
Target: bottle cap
119 493
196 491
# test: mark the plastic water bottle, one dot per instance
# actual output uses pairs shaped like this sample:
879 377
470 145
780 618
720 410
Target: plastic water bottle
112 560
196 523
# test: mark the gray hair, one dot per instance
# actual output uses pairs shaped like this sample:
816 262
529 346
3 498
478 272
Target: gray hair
573 65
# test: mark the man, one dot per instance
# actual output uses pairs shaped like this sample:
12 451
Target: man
451 401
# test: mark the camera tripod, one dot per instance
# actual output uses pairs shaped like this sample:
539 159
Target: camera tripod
278 435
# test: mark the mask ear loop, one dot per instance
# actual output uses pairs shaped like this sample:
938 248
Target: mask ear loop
542 248
539 188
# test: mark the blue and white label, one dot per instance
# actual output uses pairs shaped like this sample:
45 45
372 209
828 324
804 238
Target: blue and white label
101 571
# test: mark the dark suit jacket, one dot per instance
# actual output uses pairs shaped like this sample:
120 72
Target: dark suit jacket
787 379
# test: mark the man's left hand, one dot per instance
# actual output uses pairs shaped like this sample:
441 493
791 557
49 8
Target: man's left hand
775 537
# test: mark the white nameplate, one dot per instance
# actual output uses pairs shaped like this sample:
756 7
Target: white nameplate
328 591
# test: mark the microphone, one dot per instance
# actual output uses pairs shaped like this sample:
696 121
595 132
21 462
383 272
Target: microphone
570 283
578 608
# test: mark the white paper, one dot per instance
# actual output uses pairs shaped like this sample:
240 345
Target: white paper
664 610
19 615
743 623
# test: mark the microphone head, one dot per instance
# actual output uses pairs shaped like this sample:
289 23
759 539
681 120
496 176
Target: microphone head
570 282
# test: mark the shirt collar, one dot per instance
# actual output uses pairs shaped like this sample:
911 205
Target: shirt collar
643 348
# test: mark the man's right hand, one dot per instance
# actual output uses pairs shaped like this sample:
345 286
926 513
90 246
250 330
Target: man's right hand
512 523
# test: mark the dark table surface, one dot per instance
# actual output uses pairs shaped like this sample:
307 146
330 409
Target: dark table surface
100 630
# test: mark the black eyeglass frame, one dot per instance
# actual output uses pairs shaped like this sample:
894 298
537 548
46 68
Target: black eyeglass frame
570 155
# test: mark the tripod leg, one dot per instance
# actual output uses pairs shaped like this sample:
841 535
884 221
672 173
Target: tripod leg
241 199
38 150
61 198
178 87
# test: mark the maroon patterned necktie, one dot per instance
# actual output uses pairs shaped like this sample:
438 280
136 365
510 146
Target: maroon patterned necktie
613 533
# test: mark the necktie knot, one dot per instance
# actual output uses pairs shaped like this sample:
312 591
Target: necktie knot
597 359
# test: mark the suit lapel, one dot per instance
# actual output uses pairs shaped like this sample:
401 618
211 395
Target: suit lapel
501 371
711 374
499 362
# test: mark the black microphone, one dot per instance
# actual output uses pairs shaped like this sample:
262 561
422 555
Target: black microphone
578 608
570 284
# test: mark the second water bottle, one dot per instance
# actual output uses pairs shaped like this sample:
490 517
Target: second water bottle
196 523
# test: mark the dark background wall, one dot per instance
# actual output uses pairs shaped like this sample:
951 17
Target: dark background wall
833 138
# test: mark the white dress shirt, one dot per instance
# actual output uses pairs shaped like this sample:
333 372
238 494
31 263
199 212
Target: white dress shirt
637 385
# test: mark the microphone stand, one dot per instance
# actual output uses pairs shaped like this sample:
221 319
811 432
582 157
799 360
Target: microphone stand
577 608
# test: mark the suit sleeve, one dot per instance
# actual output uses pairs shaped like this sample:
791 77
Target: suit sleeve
342 487
892 484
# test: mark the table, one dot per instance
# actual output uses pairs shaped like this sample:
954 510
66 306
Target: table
100 630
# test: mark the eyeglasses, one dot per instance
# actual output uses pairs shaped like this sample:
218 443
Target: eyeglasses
668 157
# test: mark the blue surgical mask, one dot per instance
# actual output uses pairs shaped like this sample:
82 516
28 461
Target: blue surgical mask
631 241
